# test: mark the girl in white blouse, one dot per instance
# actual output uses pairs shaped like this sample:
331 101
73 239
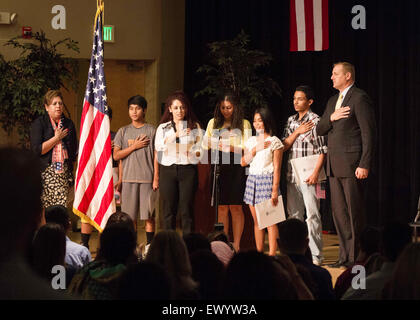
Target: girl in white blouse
178 150
263 154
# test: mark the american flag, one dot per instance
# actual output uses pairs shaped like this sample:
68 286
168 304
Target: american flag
309 25
94 192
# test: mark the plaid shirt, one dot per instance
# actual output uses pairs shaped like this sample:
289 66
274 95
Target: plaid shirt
306 144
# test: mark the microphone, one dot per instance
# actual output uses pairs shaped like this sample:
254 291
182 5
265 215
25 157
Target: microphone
416 219
418 205
224 132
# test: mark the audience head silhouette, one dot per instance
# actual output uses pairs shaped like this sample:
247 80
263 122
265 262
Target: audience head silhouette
293 237
145 281
254 275
120 217
48 249
196 241
20 195
169 251
118 242
58 214
209 272
405 281
395 237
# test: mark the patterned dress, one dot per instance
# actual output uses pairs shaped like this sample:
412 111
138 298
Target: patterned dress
55 186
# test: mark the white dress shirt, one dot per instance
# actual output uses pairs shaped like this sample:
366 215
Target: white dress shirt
187 151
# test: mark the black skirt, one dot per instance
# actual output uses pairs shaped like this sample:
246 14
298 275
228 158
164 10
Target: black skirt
232 179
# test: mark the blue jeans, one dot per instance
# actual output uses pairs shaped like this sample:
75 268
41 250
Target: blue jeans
301 199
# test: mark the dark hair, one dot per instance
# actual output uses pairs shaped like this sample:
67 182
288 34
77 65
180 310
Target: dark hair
120 217
189 113
254 275
404 284
220 236
293 235
58 214
237 116
48 249
169 251
109 113
20 196
209 272
138 100
307 90
196 241
395 237
267 119
145 281
117 243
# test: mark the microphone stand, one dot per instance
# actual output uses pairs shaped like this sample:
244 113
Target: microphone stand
218 226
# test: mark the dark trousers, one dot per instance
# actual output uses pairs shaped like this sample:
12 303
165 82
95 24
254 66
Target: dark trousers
348 208
177 187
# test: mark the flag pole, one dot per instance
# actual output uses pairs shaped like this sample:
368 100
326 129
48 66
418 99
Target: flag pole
94 193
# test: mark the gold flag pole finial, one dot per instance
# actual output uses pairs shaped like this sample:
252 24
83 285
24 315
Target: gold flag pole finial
100 8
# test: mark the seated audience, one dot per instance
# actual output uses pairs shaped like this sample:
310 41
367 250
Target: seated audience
405 280
119 217
99 279
369 245
20 196
223 252
48 250
220 236
122 217
395 237
293 241
77 255
169 251
253 275
208 271
298 275
195 242
144 281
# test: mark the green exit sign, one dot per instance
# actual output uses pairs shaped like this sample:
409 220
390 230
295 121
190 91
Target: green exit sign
109 33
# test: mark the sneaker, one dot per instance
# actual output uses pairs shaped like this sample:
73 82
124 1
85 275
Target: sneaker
317 262
146 250
139 250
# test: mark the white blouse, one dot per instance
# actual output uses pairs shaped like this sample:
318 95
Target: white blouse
187 151
262 163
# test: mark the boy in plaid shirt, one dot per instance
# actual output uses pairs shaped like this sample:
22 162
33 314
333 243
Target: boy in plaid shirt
301 139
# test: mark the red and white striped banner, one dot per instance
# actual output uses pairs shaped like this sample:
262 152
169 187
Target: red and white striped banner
309 25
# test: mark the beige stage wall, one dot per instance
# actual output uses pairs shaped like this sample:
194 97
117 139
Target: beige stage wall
147 57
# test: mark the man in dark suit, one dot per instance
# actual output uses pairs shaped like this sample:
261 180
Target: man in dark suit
350 124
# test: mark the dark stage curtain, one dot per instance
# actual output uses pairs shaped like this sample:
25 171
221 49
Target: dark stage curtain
386 56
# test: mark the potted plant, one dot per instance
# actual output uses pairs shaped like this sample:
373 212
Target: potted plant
234 66
25 80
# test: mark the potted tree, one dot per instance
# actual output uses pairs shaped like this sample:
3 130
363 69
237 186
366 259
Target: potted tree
25 80
235 67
